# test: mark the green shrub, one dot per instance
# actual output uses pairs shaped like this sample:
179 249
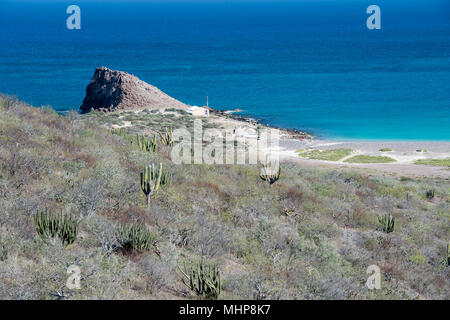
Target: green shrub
429 194
369 159
434 162
418 258
49 225
329 155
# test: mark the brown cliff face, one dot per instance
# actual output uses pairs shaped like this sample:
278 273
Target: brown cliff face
111 90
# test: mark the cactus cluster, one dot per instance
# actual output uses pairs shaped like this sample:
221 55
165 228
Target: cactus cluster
429 194
166 178
119 132
203 279
270 171
145 144
152 178
135 237
49 225
166 137
387 222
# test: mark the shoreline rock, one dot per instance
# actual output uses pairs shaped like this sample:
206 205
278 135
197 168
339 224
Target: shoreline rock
111 90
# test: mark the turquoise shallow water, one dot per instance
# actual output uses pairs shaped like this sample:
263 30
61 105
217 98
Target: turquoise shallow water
311 66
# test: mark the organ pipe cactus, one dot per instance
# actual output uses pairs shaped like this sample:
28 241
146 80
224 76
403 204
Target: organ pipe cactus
151 180
387 222
270 171
136 237
49 225
166 178
429 194
119 132
145 144
46 224
203 279
166 137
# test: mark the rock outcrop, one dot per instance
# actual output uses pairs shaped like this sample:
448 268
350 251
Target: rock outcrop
111 90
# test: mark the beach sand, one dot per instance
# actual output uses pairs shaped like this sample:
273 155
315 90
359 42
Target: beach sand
405 152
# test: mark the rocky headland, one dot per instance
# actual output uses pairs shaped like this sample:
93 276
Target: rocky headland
111 90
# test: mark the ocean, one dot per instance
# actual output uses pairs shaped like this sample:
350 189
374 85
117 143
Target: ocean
308 65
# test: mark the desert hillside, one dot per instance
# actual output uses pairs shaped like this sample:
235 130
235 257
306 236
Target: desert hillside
310 235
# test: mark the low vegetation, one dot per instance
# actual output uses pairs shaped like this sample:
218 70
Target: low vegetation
385 149
329 155
310 235
434 162
369 159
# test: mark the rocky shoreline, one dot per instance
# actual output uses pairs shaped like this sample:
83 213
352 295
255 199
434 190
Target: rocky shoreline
112 90
292 133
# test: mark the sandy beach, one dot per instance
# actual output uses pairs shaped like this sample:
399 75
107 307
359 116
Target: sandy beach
404 152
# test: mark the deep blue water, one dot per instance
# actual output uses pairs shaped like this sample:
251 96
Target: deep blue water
311 66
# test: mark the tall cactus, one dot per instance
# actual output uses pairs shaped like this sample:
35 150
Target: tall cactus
151 180
203 280
166 137
145 144
387 222
270 171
